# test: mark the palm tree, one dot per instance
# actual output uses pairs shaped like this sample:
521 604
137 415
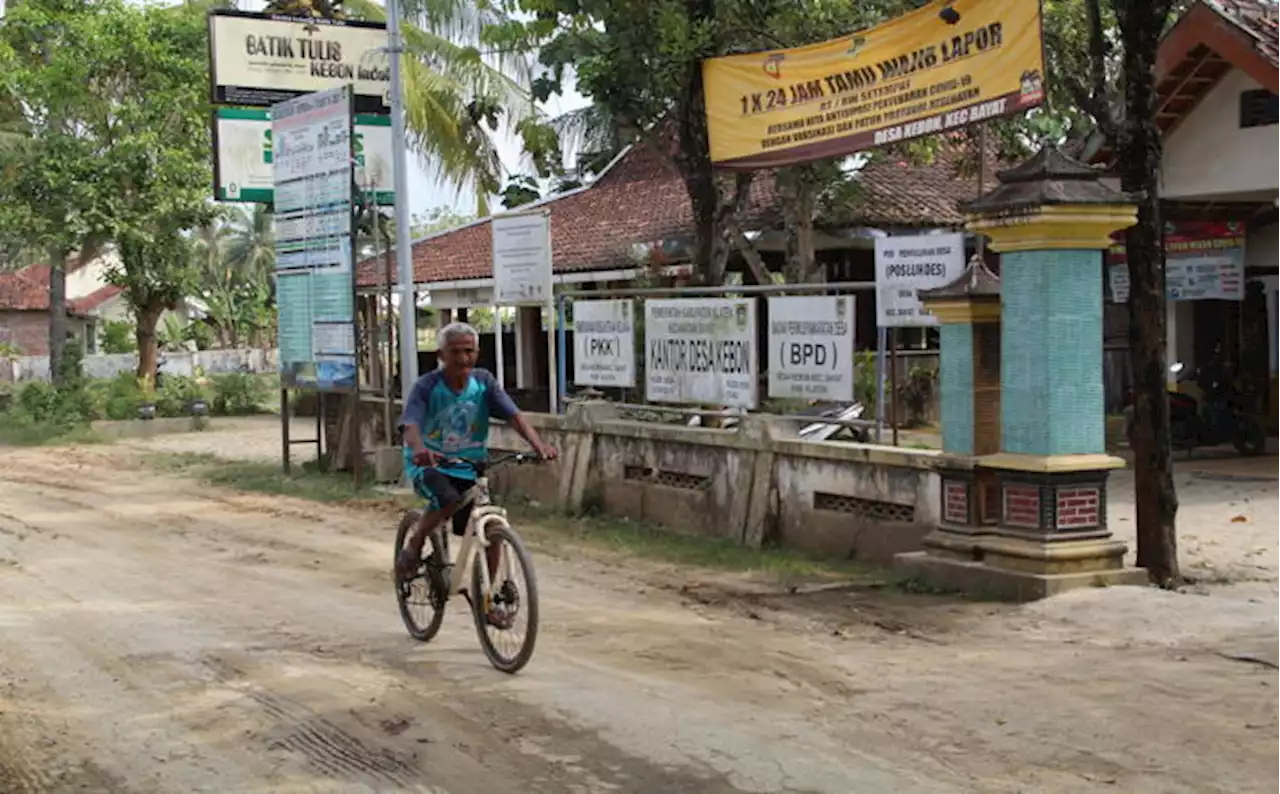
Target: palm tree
456 98
250 240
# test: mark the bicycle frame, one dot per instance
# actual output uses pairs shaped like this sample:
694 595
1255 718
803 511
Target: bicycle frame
475 539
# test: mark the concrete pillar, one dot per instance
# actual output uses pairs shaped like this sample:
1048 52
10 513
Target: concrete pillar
1050 219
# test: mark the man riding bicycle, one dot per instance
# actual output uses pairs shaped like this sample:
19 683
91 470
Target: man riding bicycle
447 416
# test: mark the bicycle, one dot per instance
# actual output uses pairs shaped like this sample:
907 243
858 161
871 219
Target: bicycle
441 579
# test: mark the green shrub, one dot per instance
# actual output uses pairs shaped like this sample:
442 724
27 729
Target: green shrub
177 392
121 396
238 394
118 336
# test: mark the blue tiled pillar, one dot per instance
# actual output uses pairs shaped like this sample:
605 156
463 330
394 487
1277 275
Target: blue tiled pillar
956 376
1051 360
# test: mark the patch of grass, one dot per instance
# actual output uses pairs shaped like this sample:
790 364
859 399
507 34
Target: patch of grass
304 482
19 430
636 539
549 528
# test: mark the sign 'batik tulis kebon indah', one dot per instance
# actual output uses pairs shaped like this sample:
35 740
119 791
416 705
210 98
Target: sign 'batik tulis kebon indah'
911 76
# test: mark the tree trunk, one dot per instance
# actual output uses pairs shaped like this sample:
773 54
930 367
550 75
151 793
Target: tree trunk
799 206
1139 153
148 317
57 315
711 248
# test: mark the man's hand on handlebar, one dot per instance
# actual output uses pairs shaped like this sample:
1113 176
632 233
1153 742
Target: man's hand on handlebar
425 457
546 451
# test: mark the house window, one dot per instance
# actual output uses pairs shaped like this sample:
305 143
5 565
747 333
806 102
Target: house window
1258 108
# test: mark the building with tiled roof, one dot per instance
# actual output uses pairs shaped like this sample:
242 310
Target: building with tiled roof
91 300
1217 75
604 231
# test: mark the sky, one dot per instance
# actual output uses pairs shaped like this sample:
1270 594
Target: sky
425 193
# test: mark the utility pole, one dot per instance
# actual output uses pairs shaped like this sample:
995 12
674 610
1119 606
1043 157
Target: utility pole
404 253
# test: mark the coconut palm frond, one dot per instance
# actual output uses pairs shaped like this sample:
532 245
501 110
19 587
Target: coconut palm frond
454 147
465 66
589 133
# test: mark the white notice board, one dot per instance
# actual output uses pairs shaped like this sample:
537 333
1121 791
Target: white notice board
604 343
906 265
701 351
521 258
811 347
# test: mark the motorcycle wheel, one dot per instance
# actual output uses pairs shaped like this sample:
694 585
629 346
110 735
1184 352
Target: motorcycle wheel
1250 438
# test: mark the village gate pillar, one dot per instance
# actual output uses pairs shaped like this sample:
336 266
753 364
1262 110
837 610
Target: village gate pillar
968 311
1050 218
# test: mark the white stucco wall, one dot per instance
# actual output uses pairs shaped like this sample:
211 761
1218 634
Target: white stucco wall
1208 155
1262 246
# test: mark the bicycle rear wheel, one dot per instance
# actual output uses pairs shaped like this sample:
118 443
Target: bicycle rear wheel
506 618
421 609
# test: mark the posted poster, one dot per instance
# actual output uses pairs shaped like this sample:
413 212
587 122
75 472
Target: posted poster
906 265
914 75
243 153
1202 261
701 351
604 343
312 159
811 348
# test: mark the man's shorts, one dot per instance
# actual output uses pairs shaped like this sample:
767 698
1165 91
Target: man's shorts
439 490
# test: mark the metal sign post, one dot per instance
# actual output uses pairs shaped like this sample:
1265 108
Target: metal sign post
404 252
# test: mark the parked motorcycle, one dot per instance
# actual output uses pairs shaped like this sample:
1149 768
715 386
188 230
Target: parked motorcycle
1219 420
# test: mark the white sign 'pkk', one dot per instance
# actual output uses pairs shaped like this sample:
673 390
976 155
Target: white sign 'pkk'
906 265
811 348
604 343
521 258
701 351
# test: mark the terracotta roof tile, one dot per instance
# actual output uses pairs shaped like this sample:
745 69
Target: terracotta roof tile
642 199
27 290
1258 19
95 299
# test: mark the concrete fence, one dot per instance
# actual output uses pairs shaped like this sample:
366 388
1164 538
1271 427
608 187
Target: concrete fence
757 485
212 362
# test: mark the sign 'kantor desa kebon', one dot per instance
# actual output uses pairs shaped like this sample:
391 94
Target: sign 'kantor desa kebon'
911 76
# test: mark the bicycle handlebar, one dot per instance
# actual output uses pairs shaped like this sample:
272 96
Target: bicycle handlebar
516 457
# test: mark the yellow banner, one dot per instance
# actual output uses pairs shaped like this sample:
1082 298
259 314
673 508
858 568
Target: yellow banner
918 74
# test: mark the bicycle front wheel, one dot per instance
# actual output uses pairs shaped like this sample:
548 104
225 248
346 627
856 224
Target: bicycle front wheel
507 615
421 607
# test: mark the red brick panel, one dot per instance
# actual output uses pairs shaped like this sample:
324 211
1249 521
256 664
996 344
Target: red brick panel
1079 508
955 502
26 330
1022 506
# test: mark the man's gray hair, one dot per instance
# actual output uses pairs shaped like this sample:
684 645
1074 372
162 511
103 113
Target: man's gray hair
454 331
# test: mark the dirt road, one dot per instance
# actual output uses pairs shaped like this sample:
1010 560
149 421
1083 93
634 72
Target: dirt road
157 635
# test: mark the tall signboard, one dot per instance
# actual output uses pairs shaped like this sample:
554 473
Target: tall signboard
522 274
261 59
701 351
938 68
907 265
312 139
521 258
